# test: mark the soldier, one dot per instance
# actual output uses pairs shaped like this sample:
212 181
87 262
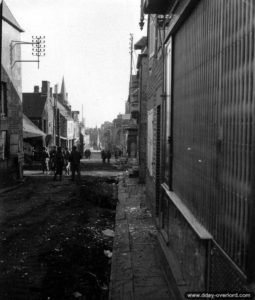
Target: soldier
103 155
108 155
52 159
45 157
67 162
74 159
59 164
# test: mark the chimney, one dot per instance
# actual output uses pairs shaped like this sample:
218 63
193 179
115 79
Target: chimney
36 89
45 87
51 92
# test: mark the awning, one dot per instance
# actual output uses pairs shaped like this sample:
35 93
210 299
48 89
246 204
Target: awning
142 43
159 7
30 130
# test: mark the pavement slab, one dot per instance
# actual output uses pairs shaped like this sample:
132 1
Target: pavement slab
136 272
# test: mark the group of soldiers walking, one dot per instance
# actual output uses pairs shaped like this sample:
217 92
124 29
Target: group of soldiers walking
106 154
58 160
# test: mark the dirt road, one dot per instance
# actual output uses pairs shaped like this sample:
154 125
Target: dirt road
52 244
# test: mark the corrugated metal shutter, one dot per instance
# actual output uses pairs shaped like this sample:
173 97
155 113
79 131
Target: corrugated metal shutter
213 101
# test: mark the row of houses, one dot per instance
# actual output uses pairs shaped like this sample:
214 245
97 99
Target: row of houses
195 135
41 118
121 134
52 114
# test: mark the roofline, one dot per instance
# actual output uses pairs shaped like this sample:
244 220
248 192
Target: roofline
14 22
10 23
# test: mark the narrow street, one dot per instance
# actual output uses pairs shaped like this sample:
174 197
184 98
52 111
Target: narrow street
152 103
52 240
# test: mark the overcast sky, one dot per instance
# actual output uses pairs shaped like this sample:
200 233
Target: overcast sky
87 42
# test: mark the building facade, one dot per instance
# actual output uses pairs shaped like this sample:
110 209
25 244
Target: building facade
106 136
51 112
200 140
142 74
39 108
120 133
11 117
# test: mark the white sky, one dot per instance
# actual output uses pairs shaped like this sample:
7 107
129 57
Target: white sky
87 42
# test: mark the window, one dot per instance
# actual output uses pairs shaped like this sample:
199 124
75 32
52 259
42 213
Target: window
150 140
152 35
168 86
3 145
3 102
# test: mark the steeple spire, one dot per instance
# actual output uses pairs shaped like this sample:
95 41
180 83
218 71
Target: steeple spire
63 91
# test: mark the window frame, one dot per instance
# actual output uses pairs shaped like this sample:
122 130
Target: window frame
152 36
150 115
168 49
3 145
3 100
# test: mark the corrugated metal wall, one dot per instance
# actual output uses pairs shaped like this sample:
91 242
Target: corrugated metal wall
213 86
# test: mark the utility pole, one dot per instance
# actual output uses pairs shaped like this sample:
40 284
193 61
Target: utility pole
131 64
55 123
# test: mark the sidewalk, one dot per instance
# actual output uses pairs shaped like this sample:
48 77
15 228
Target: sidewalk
136 271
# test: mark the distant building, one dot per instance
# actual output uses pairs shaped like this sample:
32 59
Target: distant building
75 116
64 119
142 75
133 108
51 112
119 132
39 108
11 117
106 135
92 138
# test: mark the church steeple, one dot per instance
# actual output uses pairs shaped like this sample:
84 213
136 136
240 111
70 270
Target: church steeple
63 92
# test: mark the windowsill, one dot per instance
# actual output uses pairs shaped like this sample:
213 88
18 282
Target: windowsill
187 214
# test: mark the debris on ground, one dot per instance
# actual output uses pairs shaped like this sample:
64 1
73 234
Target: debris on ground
108 253
53 242
77 295
108 232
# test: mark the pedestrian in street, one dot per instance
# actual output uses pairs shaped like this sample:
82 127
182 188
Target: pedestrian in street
116 154
74 159
103 155
45 156
67 162
87 153
108 156
59 164
52 159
